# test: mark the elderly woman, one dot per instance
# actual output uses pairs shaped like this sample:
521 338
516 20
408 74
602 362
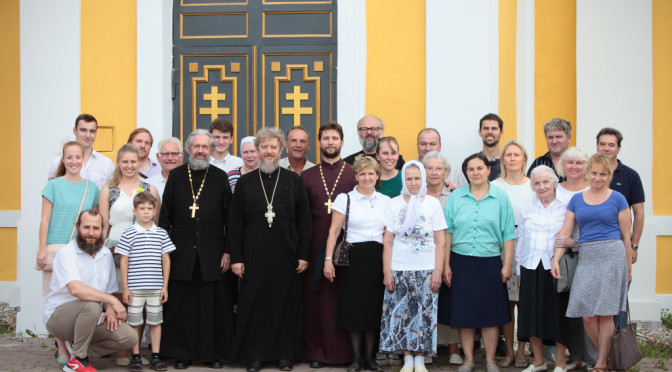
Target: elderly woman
517 187
62 199
600 284
390 177
412 268
541 308
572 166
250 161
360 289
480 224
437 169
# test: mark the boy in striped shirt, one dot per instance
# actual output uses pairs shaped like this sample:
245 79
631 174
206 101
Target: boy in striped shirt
145 267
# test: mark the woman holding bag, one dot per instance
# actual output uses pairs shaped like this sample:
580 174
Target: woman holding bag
360 288
63 198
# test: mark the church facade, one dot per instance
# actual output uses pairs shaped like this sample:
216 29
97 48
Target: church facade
440 64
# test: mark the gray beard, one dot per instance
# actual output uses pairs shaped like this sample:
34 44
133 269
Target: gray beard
368 146
198 164
268 167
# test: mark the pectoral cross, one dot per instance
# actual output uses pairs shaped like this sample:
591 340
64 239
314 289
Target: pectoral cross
194 208
328 204
269 214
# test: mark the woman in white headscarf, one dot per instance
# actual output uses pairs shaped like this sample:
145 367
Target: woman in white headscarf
250 161
412 269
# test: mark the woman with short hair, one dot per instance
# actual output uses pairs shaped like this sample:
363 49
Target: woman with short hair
250 156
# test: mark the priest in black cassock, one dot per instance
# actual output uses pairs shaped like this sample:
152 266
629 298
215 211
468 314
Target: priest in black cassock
270 228
198 316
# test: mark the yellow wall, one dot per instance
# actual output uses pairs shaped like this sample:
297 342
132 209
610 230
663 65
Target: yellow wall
507 68
664 265
662 112
10 151
108 69
555 66
395 69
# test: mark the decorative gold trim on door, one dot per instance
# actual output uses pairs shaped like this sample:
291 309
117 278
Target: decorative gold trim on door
247 25
214 98
331 29
255 101
288 78
266 2
211 4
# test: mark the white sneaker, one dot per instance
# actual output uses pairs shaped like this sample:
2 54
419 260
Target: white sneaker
428 360
456 359
532 368
558 369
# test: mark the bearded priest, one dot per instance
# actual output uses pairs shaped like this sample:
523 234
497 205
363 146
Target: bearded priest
270 228
198 317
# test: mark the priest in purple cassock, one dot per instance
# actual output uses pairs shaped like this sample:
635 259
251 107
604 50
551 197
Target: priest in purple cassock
324 343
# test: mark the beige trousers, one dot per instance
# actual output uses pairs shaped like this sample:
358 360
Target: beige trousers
77 321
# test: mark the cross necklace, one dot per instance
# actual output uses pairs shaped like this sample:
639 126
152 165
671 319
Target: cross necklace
194 207
328 203
269 205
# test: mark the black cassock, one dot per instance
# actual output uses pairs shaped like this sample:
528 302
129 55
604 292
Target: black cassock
268 323
198 316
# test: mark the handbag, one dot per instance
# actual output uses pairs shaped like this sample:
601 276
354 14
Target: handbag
342 250
567 263
625 351
52 249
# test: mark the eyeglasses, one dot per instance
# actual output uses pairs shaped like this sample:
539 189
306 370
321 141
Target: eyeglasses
173 154
366 129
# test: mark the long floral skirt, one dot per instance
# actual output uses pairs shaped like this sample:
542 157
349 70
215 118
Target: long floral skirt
409 314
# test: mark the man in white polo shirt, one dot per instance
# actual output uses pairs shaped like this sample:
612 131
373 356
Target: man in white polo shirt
80 307
96 167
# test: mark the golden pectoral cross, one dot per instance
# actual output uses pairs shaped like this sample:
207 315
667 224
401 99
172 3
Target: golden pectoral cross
269 214
328 204
194 208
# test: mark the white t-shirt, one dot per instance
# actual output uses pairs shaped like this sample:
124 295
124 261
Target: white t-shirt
228 164
70 264
417 251
159 182
97 169
367 215
516 193
563 193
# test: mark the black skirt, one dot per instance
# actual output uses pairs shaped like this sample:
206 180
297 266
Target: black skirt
360 288
478 298
541 313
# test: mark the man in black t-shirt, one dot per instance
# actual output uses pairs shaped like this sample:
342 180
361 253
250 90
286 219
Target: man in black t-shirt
370 128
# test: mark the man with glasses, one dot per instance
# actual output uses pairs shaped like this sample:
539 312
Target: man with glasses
170 156
370 129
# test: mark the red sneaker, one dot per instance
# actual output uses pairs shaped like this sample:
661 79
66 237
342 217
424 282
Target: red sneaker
78 365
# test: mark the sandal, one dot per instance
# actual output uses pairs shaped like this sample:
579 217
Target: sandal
505 362
491 366
157 365
521 362
135 364
466 367
577 365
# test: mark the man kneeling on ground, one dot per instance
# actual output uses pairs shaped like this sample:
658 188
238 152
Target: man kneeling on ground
80 307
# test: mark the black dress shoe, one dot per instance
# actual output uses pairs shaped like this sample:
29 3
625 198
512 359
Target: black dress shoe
316 364
285 365
354 367
182 364
371 365
215 364
255 366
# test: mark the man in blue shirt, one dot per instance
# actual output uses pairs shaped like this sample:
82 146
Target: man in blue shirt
626 181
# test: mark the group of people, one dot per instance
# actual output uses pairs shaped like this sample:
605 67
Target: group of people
233 258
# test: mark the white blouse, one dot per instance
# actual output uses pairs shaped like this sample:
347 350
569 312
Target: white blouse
516 193
537 228
367 215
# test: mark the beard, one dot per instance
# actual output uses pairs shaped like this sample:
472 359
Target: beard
198 164
269 167
495 143
90 249
369 146
331 155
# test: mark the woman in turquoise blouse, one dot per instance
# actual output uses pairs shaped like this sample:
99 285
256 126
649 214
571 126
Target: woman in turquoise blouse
480 224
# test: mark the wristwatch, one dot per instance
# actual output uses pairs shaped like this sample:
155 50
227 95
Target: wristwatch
635 246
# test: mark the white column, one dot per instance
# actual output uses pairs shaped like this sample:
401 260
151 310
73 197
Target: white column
614 88
462 72
50 102
525 75
154 66
351 72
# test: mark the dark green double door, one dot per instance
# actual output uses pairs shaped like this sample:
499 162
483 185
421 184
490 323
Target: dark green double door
256 63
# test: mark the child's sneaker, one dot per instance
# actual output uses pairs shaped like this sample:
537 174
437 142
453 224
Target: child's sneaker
135 363
156 364
76 364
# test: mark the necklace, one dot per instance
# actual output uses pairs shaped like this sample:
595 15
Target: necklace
269 207
194 207
329 194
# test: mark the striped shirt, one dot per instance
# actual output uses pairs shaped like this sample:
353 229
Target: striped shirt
479 227
547 161
144 248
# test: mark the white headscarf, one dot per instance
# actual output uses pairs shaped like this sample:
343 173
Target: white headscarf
248 139
413 209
